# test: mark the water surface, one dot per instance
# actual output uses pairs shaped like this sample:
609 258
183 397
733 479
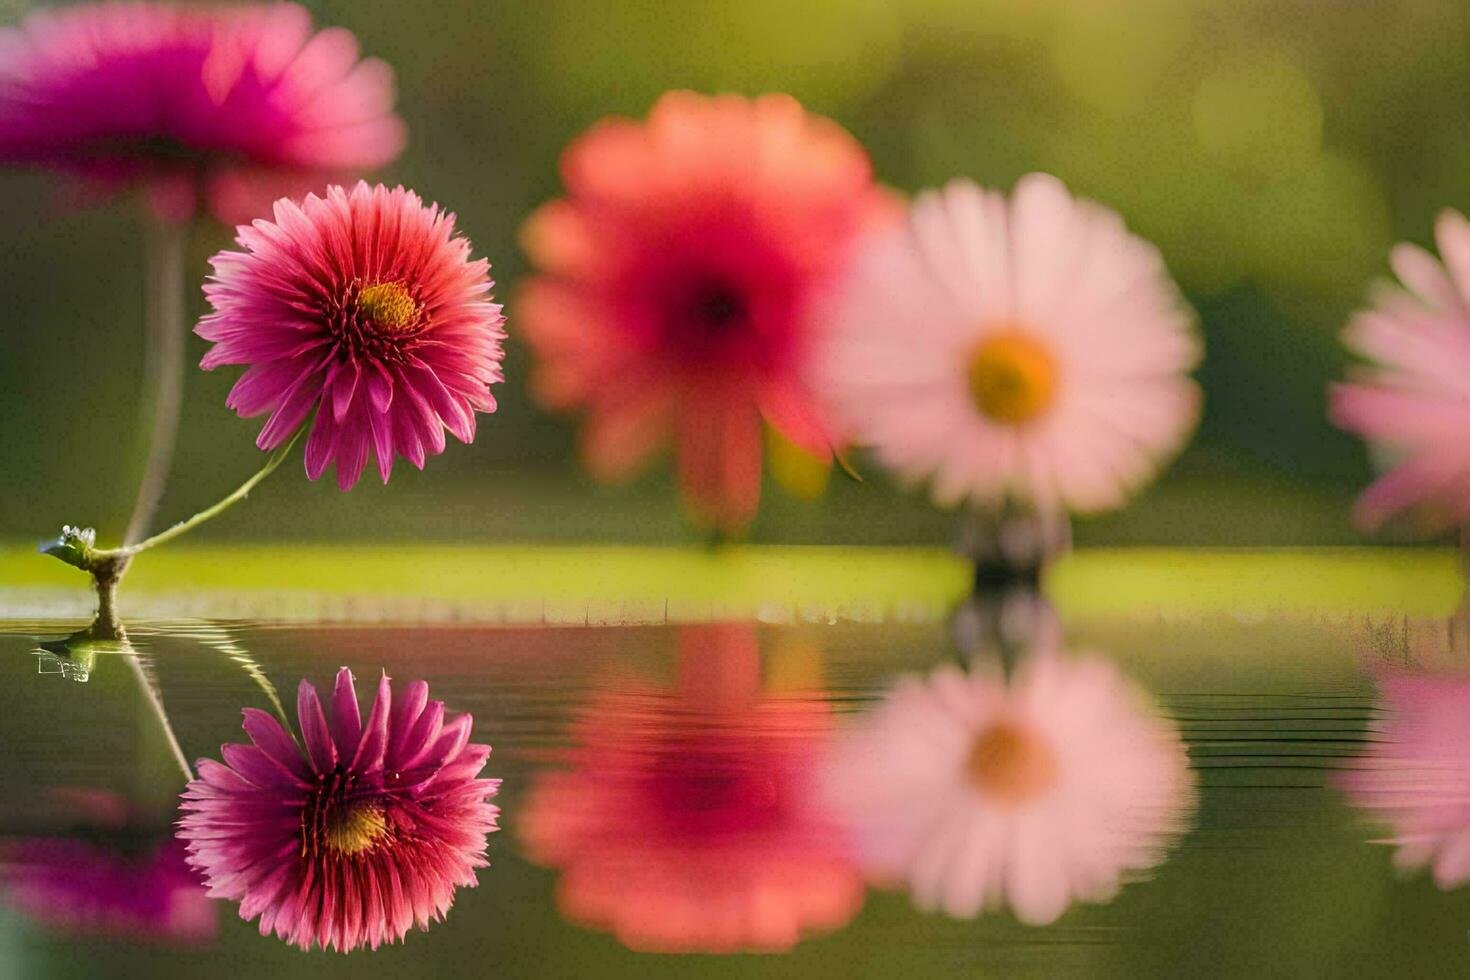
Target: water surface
1276 873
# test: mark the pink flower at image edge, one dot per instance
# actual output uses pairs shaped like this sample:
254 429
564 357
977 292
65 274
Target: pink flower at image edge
230 107
1412 401
1414 776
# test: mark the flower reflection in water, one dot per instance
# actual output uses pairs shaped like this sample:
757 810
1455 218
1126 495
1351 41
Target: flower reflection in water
352 841
689 820
975 791
111 875
1415 775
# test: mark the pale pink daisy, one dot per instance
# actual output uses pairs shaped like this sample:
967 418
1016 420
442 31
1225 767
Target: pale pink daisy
364 306
225 107
1050 789
1415 775
1030 349
355 833
1413 404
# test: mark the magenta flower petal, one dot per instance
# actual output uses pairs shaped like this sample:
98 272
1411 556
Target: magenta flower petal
365 309
319 748
360 851
375 732
346 719
275 742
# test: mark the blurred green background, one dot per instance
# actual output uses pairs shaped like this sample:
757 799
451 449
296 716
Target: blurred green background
1273 149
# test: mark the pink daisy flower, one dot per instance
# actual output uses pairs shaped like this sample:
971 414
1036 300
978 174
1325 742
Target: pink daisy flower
228 107
1413 404
1029 349
677 287
350 841
687 821
1037 793
110 877
365 306
1415 775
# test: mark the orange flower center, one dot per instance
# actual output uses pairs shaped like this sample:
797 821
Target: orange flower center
388 305
1012 765
356 827
1012 377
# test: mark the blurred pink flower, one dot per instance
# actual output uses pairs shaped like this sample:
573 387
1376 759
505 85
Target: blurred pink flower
688 820
1035 794
365 306
1031 349
228 108
368 831
1415 775
1413 404
677 286
108 876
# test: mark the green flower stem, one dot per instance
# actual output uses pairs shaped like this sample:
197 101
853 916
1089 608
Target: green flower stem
148 684
76 547
208 513
165 245
220 640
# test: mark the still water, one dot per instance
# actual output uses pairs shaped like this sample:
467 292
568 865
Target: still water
707 790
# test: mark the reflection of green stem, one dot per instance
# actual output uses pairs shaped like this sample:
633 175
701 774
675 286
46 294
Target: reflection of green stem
164 251
219 639
212 511
149 685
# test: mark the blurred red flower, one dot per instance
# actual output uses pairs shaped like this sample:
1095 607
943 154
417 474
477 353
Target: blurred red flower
677 286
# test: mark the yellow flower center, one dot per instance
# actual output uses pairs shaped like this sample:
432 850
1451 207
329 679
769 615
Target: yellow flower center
388 305
1012 378
356 827
1011 765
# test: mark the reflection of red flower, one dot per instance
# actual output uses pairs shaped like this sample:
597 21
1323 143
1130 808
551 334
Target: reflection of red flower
107 878
678 278
687 820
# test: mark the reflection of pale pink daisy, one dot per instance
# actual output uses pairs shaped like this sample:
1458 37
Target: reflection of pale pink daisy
1415 775
1030 348
230 107
364 307
688 820
974 793
354 834
1414 403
